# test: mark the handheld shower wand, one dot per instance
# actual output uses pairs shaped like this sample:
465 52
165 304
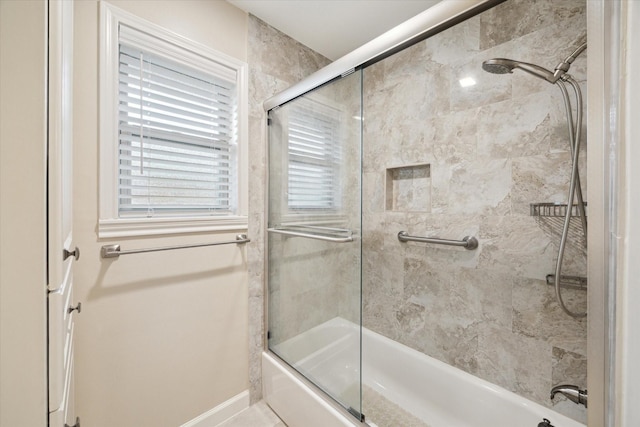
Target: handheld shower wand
559 76
504 65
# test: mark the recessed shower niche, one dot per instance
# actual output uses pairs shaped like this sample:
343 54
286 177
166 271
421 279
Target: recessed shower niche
408 188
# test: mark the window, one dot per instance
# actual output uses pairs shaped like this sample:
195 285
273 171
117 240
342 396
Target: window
172 129
176 138
313 158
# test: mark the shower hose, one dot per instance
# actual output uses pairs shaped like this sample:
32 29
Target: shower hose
574 184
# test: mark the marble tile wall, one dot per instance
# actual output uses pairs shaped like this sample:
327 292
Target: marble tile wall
491 149
275 62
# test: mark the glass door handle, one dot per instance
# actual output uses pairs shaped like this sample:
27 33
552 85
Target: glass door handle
345 239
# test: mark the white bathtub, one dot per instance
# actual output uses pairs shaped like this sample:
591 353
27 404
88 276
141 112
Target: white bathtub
440 395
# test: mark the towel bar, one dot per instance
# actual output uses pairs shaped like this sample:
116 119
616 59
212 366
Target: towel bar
113 251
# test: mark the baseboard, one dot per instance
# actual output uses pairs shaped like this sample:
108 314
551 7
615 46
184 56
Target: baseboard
222 412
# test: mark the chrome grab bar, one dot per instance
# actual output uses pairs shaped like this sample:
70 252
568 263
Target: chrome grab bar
113 251
468 242
345 239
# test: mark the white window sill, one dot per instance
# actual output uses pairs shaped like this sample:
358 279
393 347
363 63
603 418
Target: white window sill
133 227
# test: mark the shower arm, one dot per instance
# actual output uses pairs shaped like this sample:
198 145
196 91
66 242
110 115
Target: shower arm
563 67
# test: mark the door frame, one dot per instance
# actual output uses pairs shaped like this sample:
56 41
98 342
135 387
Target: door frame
60 261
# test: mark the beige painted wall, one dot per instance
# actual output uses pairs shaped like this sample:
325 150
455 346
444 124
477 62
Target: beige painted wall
23 391
162 337
216 24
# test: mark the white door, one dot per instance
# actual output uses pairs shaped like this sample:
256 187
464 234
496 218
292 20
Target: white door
62 253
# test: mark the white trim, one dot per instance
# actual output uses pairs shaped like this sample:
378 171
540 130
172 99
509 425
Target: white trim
108 228
606 38
628 348
185 53
222 412
110 224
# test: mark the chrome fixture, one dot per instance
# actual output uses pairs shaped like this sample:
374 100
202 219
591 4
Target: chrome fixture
75 253
467 242
558 77
293 233
504 66
77 308
553 210
568 282
113 251
571 392
545 423
563 67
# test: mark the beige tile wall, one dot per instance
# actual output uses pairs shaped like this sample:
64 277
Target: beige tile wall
492 149
275 62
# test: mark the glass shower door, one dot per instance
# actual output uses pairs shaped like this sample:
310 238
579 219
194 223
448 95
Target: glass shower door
314 223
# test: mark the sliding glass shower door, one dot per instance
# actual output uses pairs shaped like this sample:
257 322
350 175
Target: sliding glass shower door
314 223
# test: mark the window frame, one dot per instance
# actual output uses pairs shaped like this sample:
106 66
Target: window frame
110 223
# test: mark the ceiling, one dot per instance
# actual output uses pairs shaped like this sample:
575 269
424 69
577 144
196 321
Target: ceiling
333 27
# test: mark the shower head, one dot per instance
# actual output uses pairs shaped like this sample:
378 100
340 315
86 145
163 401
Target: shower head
503 66
498 66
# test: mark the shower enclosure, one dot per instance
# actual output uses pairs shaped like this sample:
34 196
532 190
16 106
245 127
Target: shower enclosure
314 228
422 142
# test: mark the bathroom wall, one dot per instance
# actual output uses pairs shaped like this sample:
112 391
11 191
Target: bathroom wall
276 62
23 250
165 337
450 161
162 337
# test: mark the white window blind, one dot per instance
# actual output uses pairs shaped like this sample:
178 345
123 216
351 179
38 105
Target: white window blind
177 133
314 154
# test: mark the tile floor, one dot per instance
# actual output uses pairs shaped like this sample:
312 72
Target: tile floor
381 412
258 415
